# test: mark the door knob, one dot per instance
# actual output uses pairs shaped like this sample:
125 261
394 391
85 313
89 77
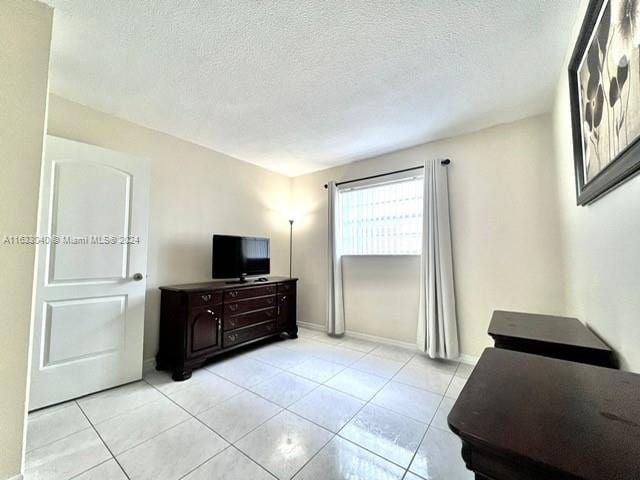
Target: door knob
138 276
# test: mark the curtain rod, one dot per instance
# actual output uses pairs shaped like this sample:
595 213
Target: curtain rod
446 161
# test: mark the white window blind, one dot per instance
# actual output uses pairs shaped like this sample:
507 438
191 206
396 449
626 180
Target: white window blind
382 219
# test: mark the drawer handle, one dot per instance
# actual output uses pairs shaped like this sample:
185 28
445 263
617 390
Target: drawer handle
211 312
232 338
206 298
233 294
284 298
270 300
269 327
233 307
219 324
232 323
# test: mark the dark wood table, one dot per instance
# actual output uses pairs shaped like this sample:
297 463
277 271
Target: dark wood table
558 337
524 417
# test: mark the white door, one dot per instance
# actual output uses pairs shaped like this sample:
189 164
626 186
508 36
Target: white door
90 275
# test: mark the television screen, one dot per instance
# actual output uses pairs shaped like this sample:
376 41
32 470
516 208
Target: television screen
236 257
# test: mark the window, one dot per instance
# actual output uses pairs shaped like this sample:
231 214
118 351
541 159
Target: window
382 219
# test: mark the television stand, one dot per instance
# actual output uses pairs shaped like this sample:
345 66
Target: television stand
202 320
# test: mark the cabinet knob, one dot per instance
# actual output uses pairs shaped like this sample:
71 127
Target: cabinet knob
211 312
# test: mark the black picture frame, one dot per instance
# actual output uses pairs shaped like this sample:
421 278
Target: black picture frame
627 163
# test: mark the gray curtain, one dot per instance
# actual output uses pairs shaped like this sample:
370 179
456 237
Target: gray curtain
437 321
335 300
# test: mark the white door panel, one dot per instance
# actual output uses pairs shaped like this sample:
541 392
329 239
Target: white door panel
89 311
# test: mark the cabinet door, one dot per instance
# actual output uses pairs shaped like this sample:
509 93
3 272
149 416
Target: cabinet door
204 331
286 310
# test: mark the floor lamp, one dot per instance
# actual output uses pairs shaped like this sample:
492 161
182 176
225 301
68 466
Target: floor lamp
290 244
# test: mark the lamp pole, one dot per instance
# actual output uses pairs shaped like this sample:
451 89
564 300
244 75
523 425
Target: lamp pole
290 244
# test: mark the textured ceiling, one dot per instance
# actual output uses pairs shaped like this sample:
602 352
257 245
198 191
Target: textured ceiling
300 85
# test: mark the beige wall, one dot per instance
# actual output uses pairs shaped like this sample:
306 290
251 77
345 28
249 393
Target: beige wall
506 236
602 244
195 192
25 37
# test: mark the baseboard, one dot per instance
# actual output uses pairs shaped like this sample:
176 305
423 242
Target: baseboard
17 477
383 340
464 358
311 326
148 365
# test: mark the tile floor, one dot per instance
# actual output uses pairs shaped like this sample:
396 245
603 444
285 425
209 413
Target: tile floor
315 408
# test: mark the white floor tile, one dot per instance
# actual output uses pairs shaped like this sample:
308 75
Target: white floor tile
48 410
284 444
383 367
59 423
312 347
284 389
173 453
342 460
230 464
328 339
455 387
420 360
66 458
327 407
409 401
109 470
412 476
279 357
105 405
308 332
198 397
464 370
385 433
338 354
237 416
356 383
163 381
359 345
136 426
434 380
317 369
440 418
399 354
439 457
244 371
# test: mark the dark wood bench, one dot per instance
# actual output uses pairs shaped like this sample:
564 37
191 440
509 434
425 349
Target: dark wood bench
552 336
524 417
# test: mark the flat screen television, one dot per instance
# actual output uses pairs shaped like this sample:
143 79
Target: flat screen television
239 257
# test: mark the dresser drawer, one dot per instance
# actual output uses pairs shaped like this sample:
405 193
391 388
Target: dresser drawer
246 334
286 287
240 293
243 320
243 306
205 298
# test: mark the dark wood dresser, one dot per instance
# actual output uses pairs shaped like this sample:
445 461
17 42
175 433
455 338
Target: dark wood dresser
201 320
526 417
551 336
